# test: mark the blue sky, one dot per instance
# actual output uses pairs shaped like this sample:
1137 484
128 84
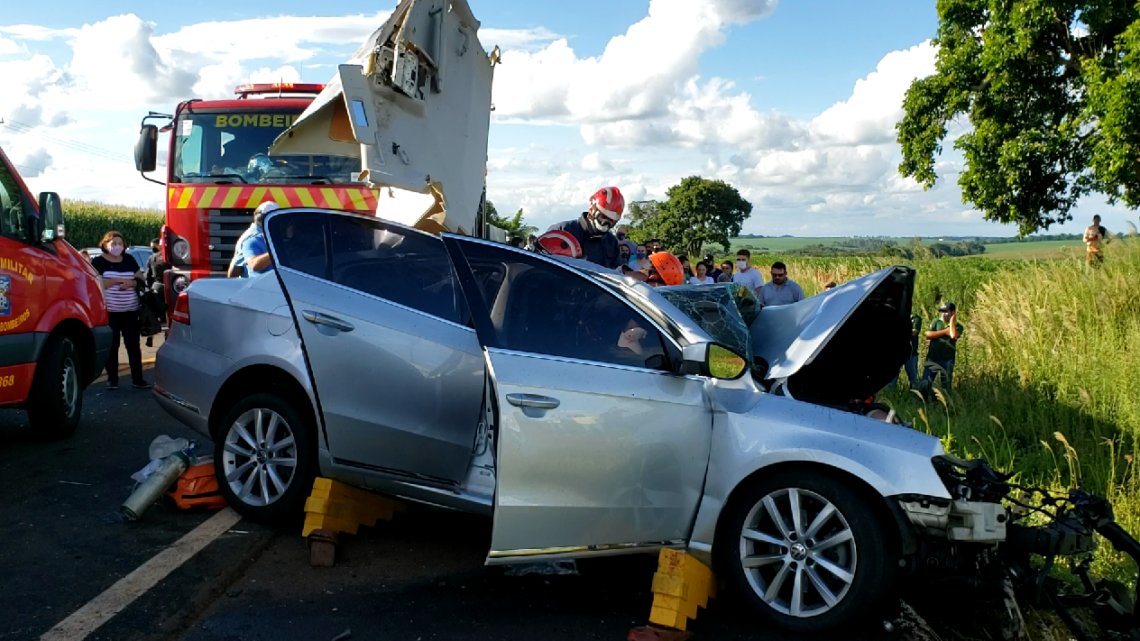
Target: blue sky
792 101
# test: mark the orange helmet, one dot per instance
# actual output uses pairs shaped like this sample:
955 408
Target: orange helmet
668 268
560 243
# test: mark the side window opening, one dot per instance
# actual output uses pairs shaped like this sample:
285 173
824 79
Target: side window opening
540 308
11 205
406 267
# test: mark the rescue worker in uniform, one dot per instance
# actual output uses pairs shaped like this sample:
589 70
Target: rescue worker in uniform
593 228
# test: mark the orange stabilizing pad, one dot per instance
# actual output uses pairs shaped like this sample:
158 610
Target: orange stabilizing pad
197 487
341 197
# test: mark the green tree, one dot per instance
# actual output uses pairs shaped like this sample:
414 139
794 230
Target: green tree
700 212
644 220
1050 88
514 225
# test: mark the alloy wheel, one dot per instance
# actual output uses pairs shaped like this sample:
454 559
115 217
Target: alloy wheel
259 457
798 552
70 387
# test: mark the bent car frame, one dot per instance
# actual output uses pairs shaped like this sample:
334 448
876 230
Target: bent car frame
579 409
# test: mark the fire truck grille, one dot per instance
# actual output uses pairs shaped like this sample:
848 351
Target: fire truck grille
226 225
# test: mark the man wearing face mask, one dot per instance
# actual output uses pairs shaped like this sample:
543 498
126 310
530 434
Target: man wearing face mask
747 274
592 228
623 236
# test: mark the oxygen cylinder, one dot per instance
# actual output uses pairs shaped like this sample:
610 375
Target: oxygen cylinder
155 485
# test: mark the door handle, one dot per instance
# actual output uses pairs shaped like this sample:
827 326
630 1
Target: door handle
317 318
533 400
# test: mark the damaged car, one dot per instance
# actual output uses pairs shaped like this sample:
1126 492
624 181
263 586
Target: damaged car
580 410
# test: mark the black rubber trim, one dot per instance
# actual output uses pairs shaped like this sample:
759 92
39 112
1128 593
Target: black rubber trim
18 349
480 316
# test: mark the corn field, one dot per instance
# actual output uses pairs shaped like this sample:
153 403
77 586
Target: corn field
86 223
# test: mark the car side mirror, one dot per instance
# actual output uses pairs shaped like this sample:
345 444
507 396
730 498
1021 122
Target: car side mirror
146 149
713 360
50 226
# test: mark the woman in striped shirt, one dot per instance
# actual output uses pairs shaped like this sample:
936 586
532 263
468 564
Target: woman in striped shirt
120 272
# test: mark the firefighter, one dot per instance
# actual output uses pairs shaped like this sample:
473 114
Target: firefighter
593 228
665 269
559 243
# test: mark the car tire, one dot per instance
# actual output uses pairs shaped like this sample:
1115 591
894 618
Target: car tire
265 459
55 403
843 563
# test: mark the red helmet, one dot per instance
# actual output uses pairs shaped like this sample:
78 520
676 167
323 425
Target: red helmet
668 268
609 202
560 243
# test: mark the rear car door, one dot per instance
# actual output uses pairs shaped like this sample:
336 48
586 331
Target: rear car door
398 375
600 445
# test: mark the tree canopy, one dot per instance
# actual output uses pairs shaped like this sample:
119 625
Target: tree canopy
514 225
1051 89
698 212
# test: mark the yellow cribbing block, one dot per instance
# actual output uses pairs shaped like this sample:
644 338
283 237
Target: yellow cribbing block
670 585
668 618
324 522
348 509
330 489
696 574
676 604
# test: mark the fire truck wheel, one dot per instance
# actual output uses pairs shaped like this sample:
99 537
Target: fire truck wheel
265 459
56 400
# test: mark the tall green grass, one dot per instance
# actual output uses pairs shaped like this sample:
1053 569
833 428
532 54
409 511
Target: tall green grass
87 222
1047 378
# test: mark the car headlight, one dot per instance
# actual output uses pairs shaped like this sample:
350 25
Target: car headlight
179 284
181 250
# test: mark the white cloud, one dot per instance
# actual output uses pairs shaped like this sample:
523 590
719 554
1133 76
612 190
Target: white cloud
595 163
8 47
875 105
637 76
287 38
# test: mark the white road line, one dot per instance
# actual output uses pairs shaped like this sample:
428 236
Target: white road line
99 610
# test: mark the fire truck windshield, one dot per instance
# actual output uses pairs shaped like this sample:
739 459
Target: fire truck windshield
232 146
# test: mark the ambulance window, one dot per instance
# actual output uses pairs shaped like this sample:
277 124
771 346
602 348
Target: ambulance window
11 208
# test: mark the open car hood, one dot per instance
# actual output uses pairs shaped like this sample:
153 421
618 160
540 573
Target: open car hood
842 345
414 103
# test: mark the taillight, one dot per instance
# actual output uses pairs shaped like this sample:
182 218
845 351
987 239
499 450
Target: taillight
182 309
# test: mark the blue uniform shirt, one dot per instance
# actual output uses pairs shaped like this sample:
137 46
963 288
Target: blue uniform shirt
254 245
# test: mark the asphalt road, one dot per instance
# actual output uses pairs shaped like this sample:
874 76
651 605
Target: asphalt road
418 577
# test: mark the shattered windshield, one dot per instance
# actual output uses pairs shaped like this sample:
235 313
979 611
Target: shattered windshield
231 146
724 311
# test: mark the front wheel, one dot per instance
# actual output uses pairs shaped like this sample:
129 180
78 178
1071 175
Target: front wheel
56 400
265 458
809 553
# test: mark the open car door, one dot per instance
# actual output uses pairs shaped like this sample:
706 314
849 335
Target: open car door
397 372
600 445
414 104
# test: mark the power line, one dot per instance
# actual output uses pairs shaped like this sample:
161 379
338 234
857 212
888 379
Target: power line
72 145
25 128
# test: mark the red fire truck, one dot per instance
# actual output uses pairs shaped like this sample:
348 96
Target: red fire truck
407 117
218 172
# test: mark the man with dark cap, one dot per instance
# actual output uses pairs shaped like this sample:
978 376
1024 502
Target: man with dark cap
714 273
943 336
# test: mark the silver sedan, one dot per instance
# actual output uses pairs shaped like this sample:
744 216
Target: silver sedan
580 410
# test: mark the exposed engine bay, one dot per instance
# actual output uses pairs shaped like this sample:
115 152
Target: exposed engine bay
1001 540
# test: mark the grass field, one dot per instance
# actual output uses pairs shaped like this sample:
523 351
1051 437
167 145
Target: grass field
1039 250
1047 378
